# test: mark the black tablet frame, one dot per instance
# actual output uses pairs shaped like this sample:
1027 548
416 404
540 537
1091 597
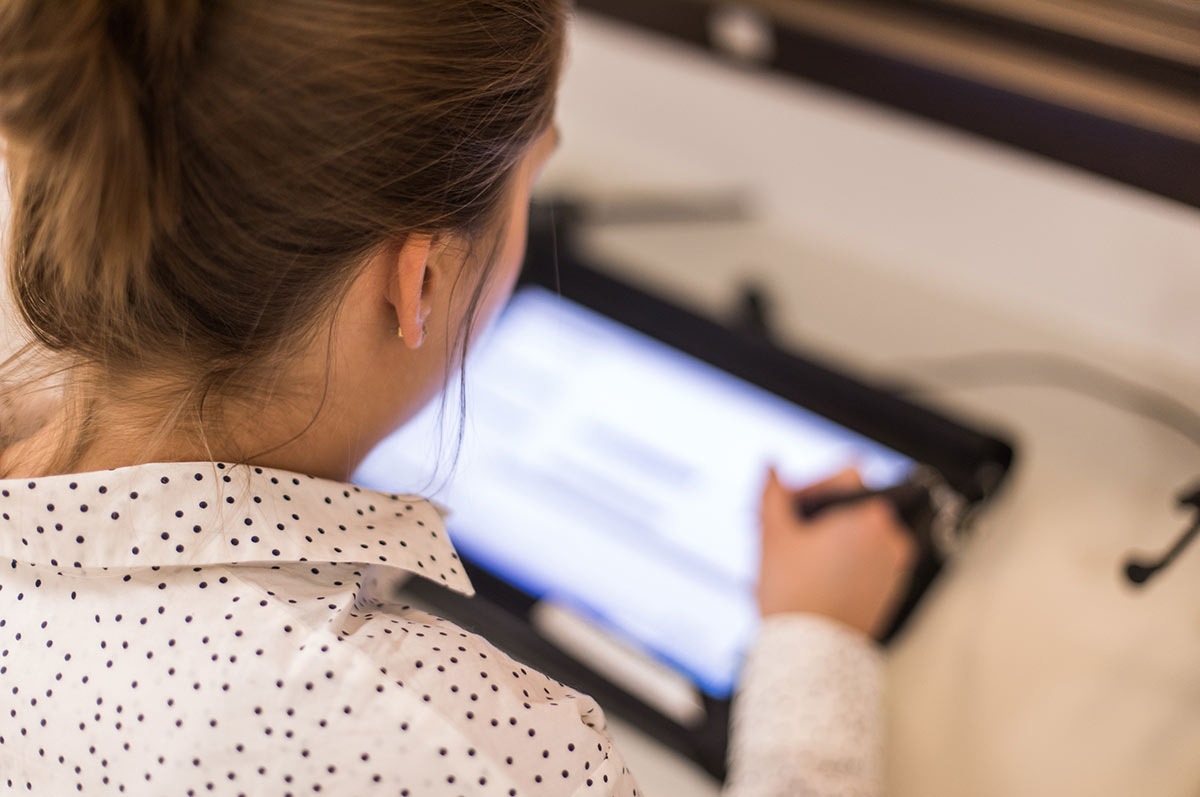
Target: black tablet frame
974 462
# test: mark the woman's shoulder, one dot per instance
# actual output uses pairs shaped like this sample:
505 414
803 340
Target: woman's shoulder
446 700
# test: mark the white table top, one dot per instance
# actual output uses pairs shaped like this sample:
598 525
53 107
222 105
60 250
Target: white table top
1032 668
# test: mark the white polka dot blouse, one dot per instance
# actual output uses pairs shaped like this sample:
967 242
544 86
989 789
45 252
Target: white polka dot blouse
207 628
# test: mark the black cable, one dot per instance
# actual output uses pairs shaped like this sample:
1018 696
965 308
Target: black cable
1038 369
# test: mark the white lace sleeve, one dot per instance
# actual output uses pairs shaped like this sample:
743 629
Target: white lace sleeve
808 714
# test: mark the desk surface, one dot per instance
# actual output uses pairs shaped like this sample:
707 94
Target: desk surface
1032 660
1032 668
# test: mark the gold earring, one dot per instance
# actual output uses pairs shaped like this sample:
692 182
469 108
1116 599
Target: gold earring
424 331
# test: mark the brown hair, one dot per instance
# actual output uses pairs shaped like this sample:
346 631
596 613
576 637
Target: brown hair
194 183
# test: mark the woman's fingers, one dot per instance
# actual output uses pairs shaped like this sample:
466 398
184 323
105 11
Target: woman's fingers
848 563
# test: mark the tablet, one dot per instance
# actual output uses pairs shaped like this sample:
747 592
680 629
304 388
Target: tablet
604 497
604 471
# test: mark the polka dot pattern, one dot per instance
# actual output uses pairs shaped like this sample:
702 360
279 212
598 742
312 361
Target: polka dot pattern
205 628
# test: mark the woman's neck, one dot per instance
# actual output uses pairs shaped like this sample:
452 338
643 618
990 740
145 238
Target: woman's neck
319 411
269 437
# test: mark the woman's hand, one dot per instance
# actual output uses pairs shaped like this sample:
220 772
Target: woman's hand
850 564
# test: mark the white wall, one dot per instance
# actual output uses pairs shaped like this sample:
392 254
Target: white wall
894 194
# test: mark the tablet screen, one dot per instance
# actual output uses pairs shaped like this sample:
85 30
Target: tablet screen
606 471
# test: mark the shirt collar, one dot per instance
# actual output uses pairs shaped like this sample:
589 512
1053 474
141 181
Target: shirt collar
202 513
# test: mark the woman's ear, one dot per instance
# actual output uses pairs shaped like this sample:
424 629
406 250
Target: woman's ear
410 284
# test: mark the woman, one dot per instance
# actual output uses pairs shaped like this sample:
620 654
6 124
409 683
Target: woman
249 239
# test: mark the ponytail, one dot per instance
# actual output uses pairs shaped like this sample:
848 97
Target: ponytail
86 96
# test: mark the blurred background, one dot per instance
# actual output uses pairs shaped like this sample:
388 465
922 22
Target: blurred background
994 204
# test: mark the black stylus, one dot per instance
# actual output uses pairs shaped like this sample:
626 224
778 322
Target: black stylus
912 501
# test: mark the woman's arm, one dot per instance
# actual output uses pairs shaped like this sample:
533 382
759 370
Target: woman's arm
808 714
